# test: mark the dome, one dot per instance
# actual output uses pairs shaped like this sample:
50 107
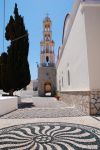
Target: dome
47 19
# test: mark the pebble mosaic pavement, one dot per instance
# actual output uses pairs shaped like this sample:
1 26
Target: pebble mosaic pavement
50 136
36 107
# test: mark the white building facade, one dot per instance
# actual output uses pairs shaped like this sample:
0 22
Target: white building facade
78 64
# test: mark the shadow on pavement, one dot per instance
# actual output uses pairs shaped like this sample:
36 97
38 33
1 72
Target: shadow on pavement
25 105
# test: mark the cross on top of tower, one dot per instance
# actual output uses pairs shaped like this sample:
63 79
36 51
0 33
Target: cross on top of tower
47 18
47 15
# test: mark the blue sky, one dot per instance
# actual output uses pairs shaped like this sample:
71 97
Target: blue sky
34 11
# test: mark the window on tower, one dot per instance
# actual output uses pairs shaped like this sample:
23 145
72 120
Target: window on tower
47 60
47 37
48 29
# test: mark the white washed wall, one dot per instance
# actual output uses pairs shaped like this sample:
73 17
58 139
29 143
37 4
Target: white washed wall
92 24
8 104
74 58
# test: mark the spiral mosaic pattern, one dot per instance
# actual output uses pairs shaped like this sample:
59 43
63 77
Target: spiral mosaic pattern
50 136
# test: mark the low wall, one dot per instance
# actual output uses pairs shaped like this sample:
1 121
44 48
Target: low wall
8 104
86 101
95 102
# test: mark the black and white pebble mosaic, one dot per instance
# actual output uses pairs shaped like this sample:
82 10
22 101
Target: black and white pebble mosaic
50 136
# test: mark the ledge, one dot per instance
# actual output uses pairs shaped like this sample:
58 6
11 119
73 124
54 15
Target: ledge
8 104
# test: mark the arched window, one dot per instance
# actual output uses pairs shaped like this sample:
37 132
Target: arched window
47 59
62 81
59 85
68 78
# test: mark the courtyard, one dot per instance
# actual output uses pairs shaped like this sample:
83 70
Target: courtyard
33 106
64 114
46 123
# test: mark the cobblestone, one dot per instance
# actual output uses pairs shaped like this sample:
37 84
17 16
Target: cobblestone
45 123
41 107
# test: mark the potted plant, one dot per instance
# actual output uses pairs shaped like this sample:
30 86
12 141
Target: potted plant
57 96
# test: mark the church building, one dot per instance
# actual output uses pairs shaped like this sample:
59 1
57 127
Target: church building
78 64
47 69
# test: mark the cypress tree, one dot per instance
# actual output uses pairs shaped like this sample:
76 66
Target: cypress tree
17 59
4 82
0 74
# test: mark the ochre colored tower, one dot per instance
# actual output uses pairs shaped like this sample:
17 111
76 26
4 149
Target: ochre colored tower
47 57
47 69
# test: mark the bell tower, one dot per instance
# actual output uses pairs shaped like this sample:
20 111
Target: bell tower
47 57
47 68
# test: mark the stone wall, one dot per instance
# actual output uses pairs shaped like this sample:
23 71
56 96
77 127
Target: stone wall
95 102
86 101
46 74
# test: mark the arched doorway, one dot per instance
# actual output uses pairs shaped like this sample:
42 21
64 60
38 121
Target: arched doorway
47 89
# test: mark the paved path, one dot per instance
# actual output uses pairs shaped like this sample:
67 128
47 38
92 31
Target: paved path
68 133
43 107
48 124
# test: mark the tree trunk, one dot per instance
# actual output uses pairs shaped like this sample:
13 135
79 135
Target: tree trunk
11 93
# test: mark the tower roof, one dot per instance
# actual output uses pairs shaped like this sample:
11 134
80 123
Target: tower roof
47 19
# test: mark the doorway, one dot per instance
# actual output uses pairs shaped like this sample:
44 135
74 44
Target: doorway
47 89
